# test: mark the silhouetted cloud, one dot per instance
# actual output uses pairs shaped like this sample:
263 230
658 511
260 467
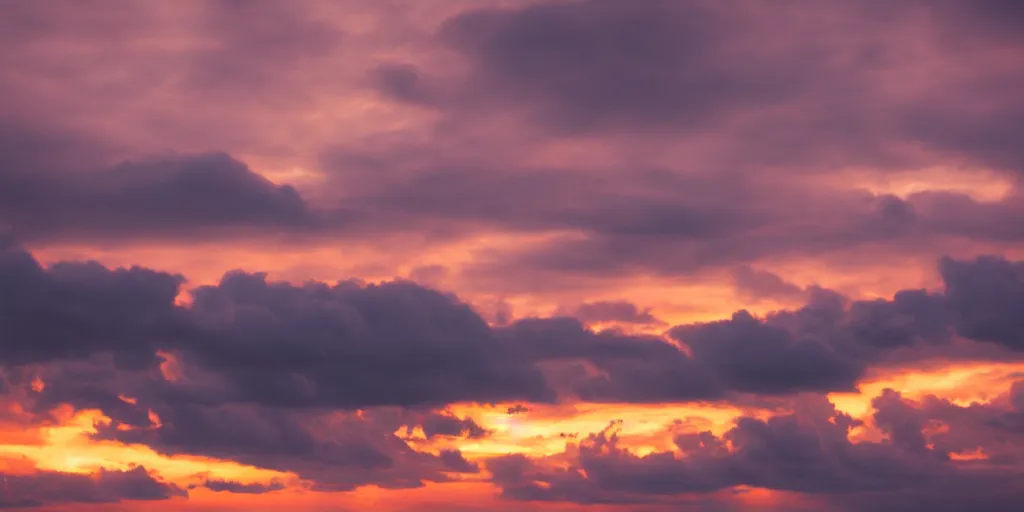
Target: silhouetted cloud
440 424
173 196
806 451
242 488
265 369
987 295
250 341
107 486
73 310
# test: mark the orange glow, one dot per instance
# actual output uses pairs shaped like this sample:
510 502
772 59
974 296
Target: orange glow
170 368
980 184
976 454
16 466
66 447
540 430
708 296
961 384
545 430
641 165
154 419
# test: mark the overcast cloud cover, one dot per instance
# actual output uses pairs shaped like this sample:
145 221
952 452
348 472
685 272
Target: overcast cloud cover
492 255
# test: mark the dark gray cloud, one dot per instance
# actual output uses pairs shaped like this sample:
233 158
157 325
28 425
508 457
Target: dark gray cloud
997 430
601 64
250 341
909 318
825 345
987 295
349 346
270 374
449 425
44 488
991 20
827 94
335 452
455 461
807 451
820 97
695 66
241 488
73 310
630 368
753 356
173 196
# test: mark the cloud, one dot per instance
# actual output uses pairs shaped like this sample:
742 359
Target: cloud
753 122
672 220
754 284
595 64
712 237
333 451
693 67
610 140
986 294
628 368
347 346
440 424
107 486
170 196
807 451
318 379
454 461
614 311
73 310
694 72
242 488
753 356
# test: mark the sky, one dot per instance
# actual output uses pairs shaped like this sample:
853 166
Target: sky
476 256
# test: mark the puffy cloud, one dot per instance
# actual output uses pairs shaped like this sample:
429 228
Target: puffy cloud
753 356
73 310
808 450
441 424
349 346
250 341
660 139
71 194
272 374
455 461
335 451
987 295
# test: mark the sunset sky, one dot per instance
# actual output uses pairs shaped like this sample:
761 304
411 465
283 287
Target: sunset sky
512 255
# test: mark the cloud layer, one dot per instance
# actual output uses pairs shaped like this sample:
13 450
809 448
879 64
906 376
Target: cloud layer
662 255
